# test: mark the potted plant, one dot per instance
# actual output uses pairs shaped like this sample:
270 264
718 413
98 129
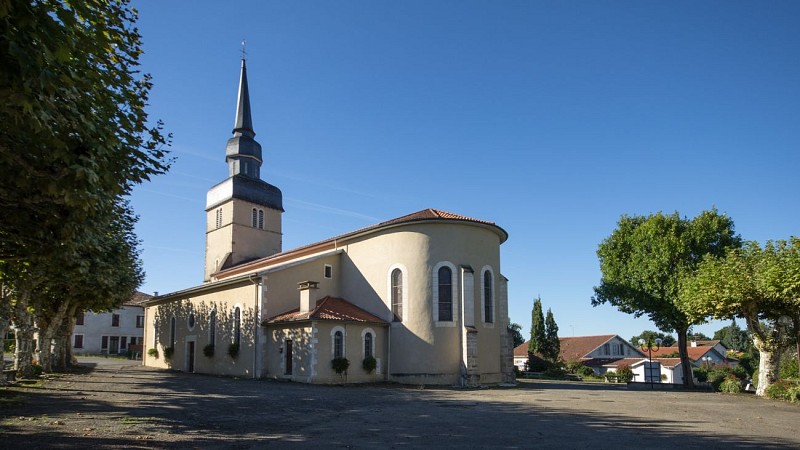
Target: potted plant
340 365
369 364
233 350
208 350
168 352
153 352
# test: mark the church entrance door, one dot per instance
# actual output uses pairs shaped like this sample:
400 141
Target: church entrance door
190 356
288 357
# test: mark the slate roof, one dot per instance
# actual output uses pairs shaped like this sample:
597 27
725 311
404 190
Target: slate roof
328 308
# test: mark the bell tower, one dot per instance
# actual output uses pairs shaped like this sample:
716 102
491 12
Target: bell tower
243 212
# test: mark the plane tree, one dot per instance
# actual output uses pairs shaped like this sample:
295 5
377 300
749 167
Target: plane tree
644 258
762 285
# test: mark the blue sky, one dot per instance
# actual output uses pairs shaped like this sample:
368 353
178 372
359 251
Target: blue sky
550 118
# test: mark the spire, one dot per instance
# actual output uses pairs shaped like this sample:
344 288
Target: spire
244 123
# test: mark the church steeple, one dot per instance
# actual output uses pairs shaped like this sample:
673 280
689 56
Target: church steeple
243 123
243 211
243 153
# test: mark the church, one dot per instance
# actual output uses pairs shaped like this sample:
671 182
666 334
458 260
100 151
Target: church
418 299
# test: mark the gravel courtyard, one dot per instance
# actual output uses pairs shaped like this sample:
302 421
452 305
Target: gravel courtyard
120 404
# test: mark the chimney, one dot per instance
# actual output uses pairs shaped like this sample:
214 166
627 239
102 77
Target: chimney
694 343
307 296
155 293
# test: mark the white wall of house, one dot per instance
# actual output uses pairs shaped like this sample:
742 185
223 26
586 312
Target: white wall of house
102 334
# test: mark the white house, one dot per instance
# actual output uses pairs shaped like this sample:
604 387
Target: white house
110 332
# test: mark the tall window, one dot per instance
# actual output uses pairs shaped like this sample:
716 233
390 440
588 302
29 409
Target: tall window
212 327
261 219
78 341
79 318
237 326
139 321
488 300
397 295
445 294
338 345
255 217
114 320
219 217
172 332
367 345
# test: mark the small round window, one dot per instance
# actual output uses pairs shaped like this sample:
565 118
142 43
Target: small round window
190 321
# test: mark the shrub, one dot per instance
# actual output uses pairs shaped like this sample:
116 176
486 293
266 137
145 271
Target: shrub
554 371
208 350
788 368
37 370
517 372
579 369
168 352
788 390
718 374
731 385
624 373
233 350
340 364
701 373
153 352
369 364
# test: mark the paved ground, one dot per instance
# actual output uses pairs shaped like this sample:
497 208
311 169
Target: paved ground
117 405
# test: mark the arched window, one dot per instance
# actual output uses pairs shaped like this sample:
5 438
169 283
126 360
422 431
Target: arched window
445 294
261 219
212 327
237 326
397 295
255 218
488 297
338 344
172 332
368 345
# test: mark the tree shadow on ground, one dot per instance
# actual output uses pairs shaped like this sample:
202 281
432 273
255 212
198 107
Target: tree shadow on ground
137 407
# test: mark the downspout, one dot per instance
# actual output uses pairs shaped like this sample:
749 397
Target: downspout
257 285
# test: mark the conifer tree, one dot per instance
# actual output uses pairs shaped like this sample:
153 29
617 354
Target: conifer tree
552 345
536 343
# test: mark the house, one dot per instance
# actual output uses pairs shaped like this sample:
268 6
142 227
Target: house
603 353
421 297
110 332
714 353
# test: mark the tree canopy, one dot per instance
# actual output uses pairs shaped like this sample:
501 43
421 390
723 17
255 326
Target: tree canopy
516 334
644 259
760 285
74 139
667 340
733 337
74 134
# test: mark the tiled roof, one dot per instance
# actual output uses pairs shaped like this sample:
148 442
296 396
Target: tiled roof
572 348
328 308
695 353
138 298
705 343
668 362
424 215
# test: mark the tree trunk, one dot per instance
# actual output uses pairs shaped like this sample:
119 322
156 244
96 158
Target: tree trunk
63 344
47 330
5 320
767 368
686 363
23 322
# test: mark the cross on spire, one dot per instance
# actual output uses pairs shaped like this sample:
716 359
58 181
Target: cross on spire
244 53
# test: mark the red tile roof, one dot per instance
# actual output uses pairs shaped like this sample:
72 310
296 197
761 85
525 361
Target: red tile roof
572 348
429 214
329 308
695 353
668 362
